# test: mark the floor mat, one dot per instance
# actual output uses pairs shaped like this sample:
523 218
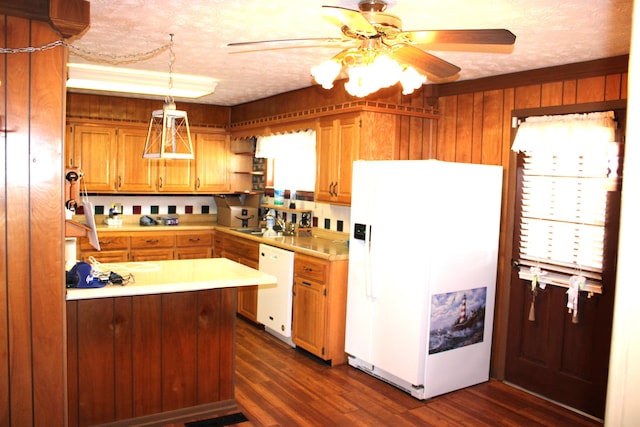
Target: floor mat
225 420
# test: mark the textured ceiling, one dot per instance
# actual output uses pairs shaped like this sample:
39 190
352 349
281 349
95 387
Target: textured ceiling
549 32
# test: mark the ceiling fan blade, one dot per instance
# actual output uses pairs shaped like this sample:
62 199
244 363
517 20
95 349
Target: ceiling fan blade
495 36
350 18
424 62
294 43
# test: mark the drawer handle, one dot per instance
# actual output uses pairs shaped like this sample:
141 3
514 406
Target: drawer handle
105 242
191 239
306 283
307 269
153 241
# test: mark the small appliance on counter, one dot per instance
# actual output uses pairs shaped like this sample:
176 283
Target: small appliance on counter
169 220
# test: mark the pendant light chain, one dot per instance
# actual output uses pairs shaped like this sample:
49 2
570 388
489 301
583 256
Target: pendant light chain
93 56
172 58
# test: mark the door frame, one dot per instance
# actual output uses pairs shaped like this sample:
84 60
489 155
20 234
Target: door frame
503 293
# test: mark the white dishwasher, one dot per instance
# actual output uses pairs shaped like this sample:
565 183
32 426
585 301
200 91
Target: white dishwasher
275 303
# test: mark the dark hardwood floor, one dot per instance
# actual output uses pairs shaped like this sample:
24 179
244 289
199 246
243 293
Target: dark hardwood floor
277 385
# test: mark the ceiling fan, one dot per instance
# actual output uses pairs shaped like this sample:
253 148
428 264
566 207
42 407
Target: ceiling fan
371 36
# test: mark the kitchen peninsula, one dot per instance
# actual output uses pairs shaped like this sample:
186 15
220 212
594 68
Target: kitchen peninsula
159 349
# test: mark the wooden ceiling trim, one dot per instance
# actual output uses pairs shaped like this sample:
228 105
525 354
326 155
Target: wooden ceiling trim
332 110
580 70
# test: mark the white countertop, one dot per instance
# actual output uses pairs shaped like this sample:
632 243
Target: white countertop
158 277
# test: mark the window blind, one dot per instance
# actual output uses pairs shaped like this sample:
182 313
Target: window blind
567 169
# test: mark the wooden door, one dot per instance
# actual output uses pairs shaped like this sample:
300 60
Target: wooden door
134 173
549 354
211 155
337 148
176 175
95 154
325 141
347 152
309 315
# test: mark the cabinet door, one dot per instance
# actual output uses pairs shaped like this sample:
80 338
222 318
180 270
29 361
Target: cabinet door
325 142
309 315
105 256
211 155
248 296
95 154
135 173
139 255
176 175
337 148
192 253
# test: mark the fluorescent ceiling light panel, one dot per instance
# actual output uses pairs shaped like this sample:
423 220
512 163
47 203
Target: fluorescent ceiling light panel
111 79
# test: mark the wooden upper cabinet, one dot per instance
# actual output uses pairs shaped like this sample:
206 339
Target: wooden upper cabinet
111 159
337 146
211 152
176 175
95 153
134 173
140 175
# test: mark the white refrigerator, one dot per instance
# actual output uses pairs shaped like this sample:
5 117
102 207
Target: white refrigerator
423 256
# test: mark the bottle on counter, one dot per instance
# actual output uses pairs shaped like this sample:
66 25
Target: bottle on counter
270 220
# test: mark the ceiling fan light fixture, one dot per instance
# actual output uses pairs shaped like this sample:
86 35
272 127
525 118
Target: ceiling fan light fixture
326 73
368 71
411 80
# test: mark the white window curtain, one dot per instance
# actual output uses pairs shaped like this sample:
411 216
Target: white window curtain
570 162
294 157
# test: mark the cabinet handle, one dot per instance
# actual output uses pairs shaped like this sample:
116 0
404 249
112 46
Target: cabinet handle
160 184
197 183
119 181
306 283
332 189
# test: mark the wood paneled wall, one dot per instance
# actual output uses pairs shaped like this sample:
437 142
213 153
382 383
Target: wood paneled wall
119 109
32 290
413 137
475 127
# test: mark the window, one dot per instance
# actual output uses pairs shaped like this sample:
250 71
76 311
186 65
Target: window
567 167
293 156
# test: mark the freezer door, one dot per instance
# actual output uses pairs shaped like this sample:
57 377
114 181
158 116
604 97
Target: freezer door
388 288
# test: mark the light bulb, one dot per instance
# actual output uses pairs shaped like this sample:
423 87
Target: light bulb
411 80
326 73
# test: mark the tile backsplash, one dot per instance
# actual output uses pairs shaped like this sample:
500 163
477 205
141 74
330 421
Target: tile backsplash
331 217
154 205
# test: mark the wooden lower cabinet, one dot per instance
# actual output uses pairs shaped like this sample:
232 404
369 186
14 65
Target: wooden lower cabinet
246 252
152 246
156 245
114 247
132 357
319 306
194 245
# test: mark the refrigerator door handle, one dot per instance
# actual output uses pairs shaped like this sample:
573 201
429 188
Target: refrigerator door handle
368 279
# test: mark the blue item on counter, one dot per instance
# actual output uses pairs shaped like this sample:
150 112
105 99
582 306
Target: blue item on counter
81 276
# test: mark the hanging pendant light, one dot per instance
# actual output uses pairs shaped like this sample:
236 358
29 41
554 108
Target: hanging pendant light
169 136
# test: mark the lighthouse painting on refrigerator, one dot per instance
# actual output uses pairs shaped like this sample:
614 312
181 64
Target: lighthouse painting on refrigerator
457 319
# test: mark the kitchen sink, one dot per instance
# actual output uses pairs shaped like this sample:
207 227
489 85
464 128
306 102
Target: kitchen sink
248 230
